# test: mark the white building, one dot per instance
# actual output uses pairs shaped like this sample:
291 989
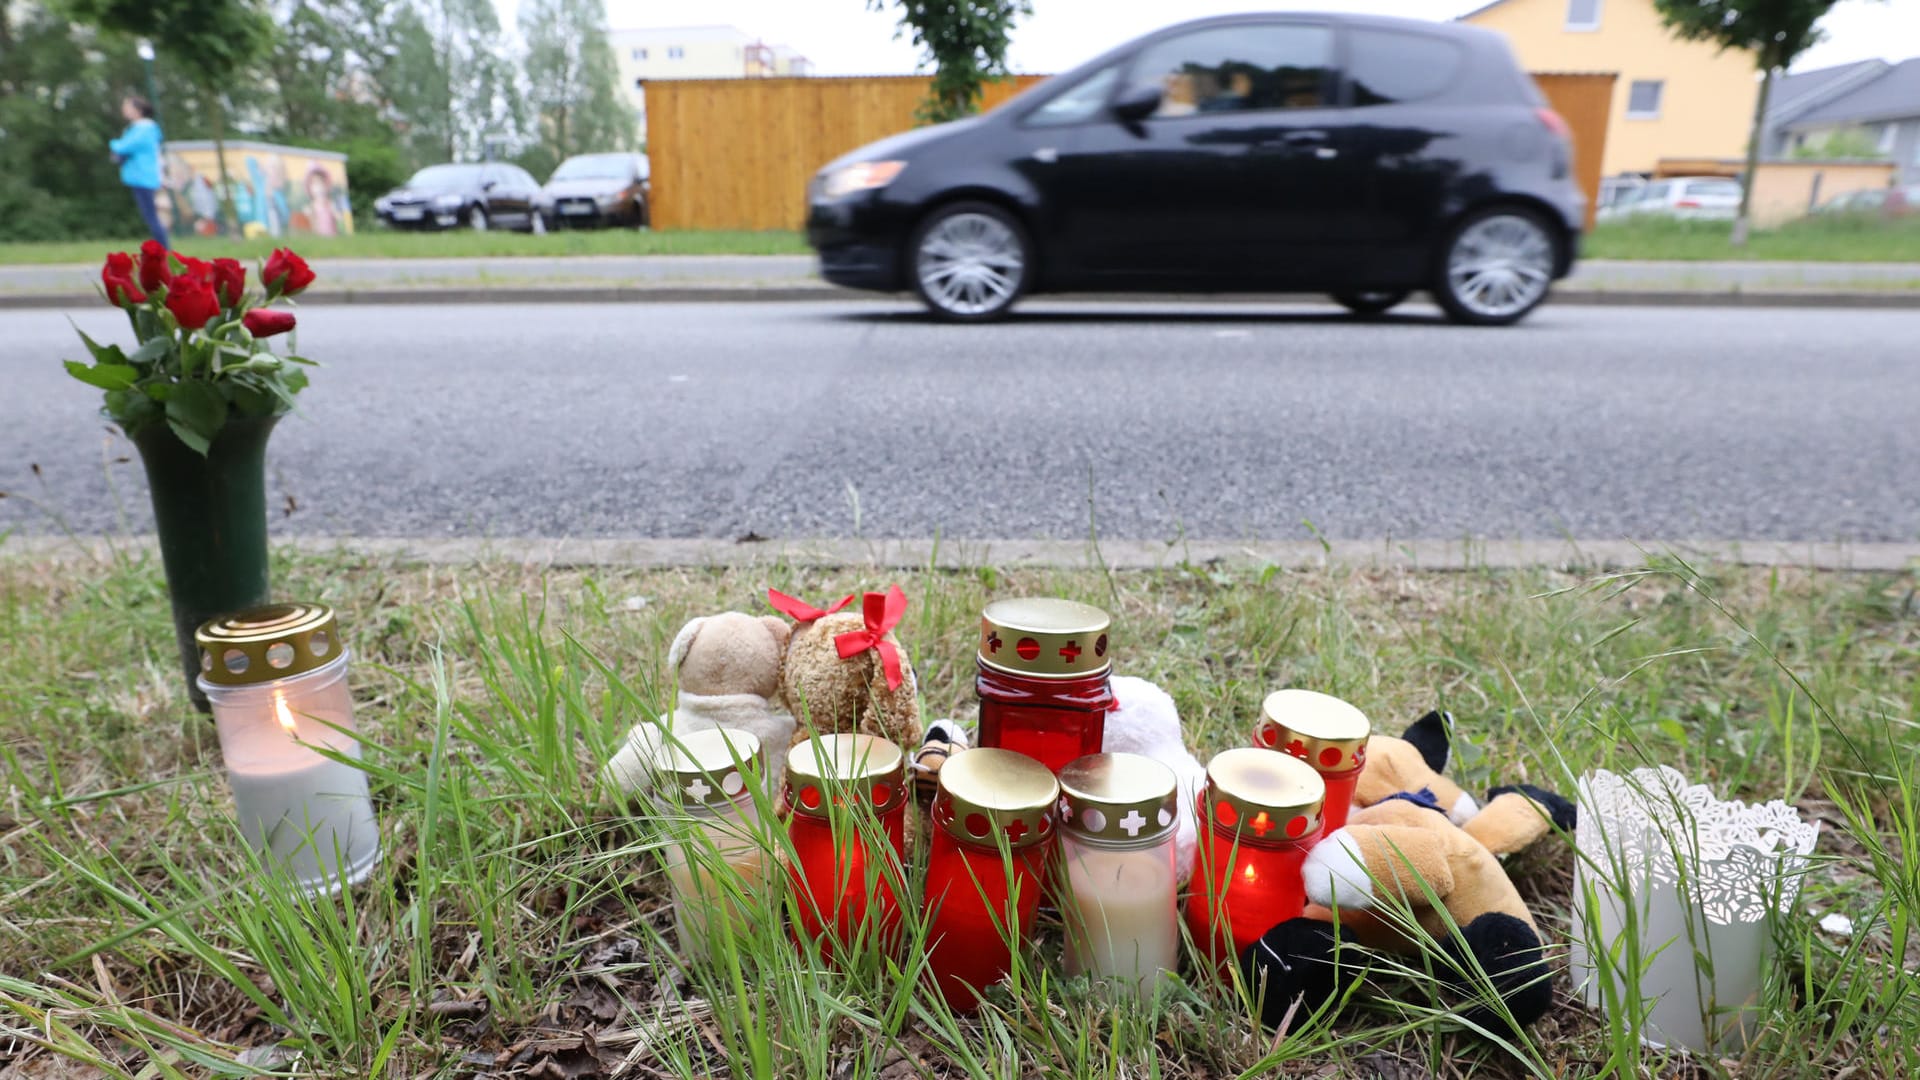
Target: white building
695 52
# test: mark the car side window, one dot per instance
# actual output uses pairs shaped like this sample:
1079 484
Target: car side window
1388 67
1260 66
1083 102
1656 193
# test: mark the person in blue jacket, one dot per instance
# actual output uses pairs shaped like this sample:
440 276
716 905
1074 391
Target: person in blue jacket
138 152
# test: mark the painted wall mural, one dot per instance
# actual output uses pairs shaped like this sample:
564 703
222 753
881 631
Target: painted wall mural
277 190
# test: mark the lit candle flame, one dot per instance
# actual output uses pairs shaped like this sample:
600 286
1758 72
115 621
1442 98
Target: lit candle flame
285 717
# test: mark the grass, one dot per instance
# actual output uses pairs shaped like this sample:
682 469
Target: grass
1832 238
518 924
382 243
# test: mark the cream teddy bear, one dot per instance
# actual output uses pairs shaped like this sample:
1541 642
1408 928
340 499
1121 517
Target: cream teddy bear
728 668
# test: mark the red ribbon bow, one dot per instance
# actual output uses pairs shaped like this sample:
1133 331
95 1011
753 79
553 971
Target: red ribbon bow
801 611
882 613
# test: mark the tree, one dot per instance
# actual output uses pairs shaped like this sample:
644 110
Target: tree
573 85
965 41
483 102
213 41
1776 32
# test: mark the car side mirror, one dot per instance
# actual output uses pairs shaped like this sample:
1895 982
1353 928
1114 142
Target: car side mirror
1137 104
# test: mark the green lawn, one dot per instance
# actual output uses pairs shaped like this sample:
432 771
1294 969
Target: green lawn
389 244
518 918
1815 239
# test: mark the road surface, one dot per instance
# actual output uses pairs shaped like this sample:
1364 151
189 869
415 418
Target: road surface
1148 422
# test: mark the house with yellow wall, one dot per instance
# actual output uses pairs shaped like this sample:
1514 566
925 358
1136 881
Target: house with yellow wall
1673 98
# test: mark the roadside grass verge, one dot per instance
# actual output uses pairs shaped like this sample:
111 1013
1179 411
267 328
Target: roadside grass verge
518 924
1828 238
380 243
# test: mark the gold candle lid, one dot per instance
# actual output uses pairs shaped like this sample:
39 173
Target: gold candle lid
267 643
864 765
1319 729
1264 796
1118 798
1045 637
986 793
703 767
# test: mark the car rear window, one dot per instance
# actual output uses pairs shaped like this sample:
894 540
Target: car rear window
1720 189
1388 67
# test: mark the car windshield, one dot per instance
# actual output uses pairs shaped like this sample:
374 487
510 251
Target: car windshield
440 177
595 167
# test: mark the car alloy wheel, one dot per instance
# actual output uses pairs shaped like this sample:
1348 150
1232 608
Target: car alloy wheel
1498 268
970 262
477 219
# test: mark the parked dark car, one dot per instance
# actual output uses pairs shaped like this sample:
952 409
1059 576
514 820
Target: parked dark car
1366 157
592 190
489 195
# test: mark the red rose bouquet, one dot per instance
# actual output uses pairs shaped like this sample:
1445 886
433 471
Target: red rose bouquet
201 355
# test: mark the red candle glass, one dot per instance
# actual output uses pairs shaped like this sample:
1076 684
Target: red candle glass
848 800
1326 733
1043 684
1262 812
992 834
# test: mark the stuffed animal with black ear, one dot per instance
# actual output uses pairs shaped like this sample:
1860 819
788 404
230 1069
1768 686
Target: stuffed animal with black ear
1417 842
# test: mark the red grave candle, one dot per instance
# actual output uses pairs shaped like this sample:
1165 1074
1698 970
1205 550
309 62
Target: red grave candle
1262 812
1326 733
992 834
848 797
1043 684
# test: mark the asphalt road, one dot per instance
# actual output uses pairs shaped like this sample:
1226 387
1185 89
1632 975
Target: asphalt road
859 418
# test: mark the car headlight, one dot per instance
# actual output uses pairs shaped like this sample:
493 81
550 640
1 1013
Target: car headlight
380 204
447 202
860 176
608 201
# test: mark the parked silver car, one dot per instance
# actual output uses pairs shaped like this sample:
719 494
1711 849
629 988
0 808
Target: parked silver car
1701 198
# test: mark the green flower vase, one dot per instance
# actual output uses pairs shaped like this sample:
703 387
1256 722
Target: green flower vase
211 514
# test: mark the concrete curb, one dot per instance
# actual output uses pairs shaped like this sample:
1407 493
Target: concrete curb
1433 555
1895 299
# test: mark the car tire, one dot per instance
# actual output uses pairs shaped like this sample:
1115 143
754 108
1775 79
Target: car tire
640 214
969 262
1496 266
477 219
1368 303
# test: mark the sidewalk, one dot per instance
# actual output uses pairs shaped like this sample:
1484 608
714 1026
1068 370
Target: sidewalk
792 277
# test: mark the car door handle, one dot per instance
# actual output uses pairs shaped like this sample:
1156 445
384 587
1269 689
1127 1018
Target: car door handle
1305 139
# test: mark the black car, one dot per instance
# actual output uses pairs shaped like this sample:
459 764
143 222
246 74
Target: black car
1366 157
590 190
489 195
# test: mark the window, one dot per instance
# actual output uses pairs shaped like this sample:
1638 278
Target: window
1583 15
1887 133
1240 69
675 52
1643 99
639 54
1387 66
1081 102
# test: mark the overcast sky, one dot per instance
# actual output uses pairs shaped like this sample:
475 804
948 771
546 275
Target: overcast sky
844 37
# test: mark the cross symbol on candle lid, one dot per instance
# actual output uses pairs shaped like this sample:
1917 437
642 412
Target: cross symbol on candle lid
1133 823
993 643
699 790
1297 748
1070 651
1016 829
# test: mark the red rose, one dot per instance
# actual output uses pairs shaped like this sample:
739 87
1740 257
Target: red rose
286 274
154 271
117 277
229 281
198 269
263 323
192 301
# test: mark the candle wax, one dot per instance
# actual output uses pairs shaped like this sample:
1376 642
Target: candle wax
1121 919
309 818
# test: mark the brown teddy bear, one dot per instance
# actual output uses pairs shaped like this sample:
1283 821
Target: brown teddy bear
728 669
1415 837
845 671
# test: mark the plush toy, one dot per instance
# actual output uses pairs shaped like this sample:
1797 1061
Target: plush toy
728 669
1145 721
1415 837
945 738
845 671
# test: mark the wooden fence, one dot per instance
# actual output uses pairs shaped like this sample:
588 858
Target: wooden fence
737 153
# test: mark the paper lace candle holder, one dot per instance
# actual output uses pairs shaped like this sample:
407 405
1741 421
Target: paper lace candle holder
1673 900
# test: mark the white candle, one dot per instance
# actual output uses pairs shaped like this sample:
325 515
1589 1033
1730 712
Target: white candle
716 846
1121 922
307 813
